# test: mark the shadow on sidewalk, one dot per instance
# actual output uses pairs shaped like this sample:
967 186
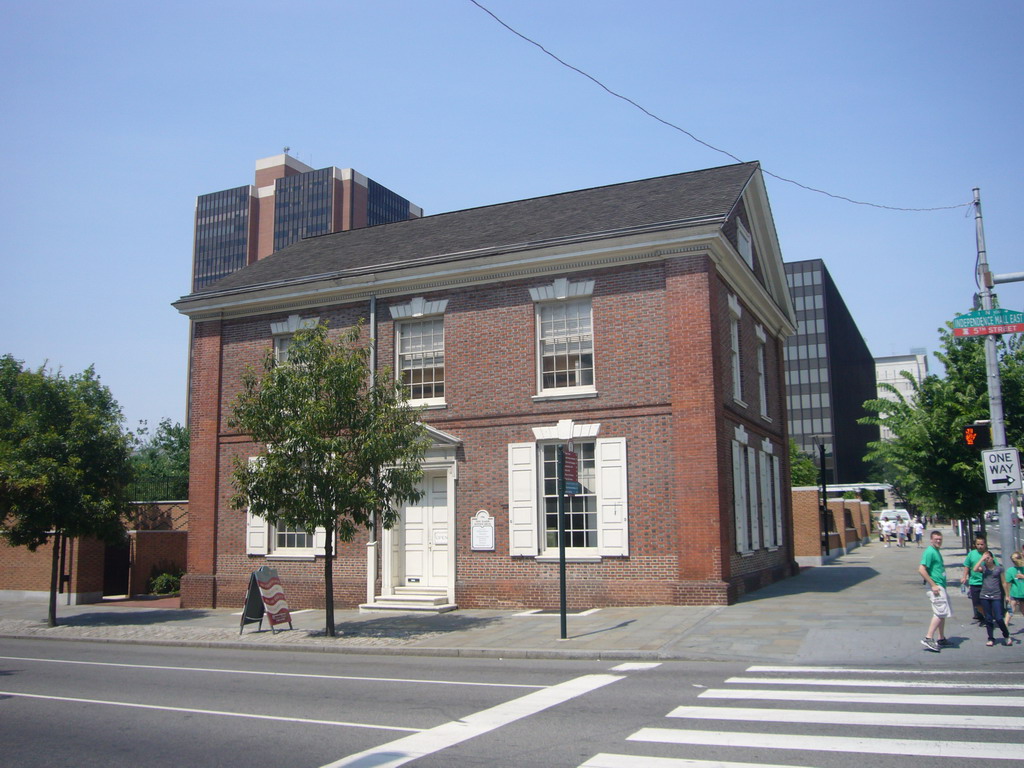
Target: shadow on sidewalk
819 579
136 617
413 626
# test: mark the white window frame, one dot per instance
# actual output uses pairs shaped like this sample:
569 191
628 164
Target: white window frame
744 244
400 369
588 479
563 292
261 538
762 376
283 331
527 530
735 350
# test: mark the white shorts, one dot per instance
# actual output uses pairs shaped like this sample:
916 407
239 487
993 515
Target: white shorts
940 603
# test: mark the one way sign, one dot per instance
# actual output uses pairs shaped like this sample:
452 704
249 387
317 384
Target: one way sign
1002 469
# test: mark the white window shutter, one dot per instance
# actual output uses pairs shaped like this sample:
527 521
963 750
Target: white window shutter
320 541
522 499
739 492
255 526
755 529
766 498
777 502
255 534
612 496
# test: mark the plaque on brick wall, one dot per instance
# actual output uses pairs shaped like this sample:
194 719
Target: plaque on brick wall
483 531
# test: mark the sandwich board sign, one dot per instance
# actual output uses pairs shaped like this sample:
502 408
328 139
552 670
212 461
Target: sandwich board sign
265 596
1002 469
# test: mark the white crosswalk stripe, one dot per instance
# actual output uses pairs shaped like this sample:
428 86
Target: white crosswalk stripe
907 727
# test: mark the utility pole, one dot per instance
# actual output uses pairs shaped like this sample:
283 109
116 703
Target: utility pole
985 280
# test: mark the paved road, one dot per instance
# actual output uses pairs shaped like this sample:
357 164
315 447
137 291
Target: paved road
90 704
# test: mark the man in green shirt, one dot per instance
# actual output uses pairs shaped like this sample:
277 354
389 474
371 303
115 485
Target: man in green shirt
933 571
973 578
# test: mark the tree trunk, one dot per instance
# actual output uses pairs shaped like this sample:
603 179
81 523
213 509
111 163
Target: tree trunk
51 617
329 580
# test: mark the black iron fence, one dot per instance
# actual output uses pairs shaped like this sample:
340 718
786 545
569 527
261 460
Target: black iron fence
160 488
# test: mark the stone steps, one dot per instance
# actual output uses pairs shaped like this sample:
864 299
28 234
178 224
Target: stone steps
422 600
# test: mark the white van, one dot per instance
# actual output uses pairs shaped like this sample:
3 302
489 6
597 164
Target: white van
894 514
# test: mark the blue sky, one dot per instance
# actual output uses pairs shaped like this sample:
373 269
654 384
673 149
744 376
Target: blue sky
116 115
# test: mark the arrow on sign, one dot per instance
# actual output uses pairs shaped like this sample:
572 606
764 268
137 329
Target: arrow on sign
1002 480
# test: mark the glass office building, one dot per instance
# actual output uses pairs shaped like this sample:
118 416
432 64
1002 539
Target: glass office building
222 234
289 201
829 375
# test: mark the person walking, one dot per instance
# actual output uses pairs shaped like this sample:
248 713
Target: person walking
933 571
991 594
1014 577
973 578
918 532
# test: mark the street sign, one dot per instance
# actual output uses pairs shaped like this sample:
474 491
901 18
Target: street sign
571 464
1002 469
572 488
986 322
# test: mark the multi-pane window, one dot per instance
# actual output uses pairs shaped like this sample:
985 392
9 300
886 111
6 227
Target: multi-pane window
281 344
581 509
566 345
762 385
421 358
734 358
291 538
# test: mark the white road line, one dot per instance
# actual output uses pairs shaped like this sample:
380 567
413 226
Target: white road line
918 699
636 666
161 668
221 713
846 718
874 683
974 750
455 732
858 671
608 760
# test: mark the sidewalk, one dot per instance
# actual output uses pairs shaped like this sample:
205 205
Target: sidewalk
868 607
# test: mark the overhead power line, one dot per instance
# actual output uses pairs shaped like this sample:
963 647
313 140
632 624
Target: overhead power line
682 130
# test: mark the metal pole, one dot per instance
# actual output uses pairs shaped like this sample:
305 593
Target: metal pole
995 390
824 500
561 539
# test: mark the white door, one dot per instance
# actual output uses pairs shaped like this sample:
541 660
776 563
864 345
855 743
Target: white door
425 529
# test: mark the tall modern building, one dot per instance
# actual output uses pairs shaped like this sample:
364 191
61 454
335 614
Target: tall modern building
829 375
889 370
287 202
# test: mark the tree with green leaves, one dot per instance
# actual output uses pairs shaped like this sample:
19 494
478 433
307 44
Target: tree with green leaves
64 461
802 470
343 449
160 461
927 461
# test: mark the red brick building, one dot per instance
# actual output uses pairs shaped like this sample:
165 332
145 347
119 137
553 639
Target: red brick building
644 321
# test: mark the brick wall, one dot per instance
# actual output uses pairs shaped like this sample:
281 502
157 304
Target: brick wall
27 574
661 368
153 553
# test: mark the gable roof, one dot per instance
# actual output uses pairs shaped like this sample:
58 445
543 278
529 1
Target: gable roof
695 197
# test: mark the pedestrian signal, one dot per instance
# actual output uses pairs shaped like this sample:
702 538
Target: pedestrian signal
977 436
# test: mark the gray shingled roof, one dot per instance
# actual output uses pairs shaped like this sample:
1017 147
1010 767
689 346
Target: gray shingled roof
698 195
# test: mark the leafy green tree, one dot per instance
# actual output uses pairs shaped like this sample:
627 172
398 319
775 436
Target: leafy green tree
927 461
802 470
64 461
160 461
340 451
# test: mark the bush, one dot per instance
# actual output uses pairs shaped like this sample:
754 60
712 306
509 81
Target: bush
165 584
